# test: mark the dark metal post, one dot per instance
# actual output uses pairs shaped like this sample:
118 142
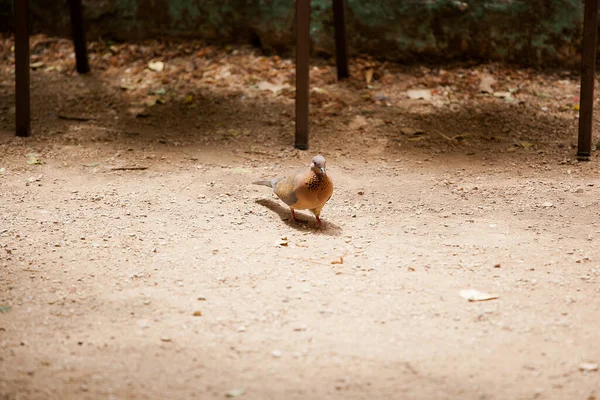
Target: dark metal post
22 106
588 79
341 46
79 36
302 65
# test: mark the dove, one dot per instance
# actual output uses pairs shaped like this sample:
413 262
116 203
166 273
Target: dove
308 189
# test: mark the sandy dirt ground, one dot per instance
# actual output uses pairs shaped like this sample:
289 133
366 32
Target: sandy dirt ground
137 261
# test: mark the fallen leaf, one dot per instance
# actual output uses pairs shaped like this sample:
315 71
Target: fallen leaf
36 65
197 313
138 112
32 159
235 393
381 97
547 204
502 95
151 100
165 339
189 99
416 94
156 66
319 90
92 165
369 75
358 122
33 179
264 85
485 86
476 295
5 309
526 145
411 131
588 367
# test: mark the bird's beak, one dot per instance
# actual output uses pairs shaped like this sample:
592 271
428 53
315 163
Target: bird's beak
323 170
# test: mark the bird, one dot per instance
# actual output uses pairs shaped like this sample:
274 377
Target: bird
308 189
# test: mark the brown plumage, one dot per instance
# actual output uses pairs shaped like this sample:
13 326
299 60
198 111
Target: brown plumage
308 189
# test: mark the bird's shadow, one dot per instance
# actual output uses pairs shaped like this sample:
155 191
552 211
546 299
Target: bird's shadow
327 228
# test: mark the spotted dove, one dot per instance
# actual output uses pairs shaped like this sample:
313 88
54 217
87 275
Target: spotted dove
308 189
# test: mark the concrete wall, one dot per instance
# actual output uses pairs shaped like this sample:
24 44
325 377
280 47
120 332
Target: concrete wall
534 32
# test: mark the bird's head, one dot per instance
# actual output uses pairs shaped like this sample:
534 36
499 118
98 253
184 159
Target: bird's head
318 165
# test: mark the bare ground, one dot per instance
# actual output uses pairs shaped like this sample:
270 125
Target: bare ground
182 280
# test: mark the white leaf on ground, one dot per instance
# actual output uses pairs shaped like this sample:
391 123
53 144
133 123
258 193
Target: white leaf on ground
476 295
416 94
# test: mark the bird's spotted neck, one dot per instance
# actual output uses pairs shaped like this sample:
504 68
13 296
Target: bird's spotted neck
317 182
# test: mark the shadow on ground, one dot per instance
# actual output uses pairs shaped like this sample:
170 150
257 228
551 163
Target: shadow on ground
328 228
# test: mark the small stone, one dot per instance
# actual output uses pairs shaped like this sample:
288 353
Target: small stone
276 353
579 190
547 204
197 313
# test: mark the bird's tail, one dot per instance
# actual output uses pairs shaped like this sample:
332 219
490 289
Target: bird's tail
265 182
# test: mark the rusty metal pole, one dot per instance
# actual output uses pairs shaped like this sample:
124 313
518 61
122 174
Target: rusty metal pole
22 105
341 45
302 65
588 79
79 36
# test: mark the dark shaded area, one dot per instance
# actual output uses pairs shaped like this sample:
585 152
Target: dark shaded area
538 32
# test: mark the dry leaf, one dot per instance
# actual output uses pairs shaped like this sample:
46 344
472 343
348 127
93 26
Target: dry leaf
526 145
485 86
588 367
369 75
358 122
416 94
340 261
411 131
476 295
156 66
264 85
235 393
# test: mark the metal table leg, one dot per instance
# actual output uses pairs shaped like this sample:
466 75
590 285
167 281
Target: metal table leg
79 36
588 79
23 108
302 65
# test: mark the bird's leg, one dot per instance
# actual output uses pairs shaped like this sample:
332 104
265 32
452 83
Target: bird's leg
293 215
317 212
